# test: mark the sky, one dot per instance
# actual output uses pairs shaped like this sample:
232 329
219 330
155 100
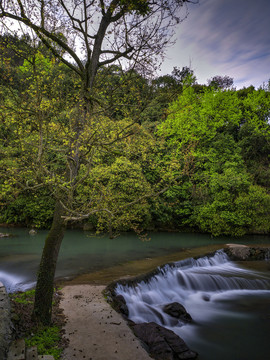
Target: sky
224 37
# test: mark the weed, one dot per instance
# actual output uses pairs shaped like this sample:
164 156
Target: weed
26 297
46 339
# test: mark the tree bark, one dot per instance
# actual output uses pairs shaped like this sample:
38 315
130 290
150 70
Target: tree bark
45 279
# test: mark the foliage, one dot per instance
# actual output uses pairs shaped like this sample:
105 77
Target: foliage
34 210
164 90
124 93
26 297
53 145
122 182
230 139
46 339
221 82
208 160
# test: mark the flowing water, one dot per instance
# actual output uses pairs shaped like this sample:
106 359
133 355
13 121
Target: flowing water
230 306
83 252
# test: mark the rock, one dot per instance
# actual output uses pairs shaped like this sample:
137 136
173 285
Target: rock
238 252
5 323
32 232
5 235
31 353
17 350
178 311
121 305
206 297
163 344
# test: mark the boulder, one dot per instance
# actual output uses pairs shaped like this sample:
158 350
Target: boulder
162 344
120 304
178 311
238 252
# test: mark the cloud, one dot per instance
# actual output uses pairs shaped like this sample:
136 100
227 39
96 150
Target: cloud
225 37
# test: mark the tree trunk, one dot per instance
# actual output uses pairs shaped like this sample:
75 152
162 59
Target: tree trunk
45 279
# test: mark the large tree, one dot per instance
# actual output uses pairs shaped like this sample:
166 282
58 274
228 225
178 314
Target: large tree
86 35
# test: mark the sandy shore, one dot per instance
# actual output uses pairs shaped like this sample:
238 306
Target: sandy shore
95 331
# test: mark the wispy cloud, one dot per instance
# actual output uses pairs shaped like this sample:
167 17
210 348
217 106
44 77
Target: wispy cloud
225 37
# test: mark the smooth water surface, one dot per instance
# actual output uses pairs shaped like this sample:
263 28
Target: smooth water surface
83 252
230 307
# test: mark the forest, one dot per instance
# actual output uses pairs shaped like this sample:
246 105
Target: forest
157 153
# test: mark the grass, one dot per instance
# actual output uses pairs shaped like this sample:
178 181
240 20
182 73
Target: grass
25 298
48 340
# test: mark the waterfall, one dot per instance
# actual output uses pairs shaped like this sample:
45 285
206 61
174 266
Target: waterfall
202 286
15 282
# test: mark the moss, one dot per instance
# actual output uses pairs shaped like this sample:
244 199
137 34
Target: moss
46 340
26 297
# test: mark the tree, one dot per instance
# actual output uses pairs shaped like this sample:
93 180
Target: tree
229 138
86 36
164 90
221 82
125 93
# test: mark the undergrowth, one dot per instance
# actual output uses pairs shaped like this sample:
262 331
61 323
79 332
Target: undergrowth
46 340
49 340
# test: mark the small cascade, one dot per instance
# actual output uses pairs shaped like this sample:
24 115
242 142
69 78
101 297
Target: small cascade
190 278
14 282
205 287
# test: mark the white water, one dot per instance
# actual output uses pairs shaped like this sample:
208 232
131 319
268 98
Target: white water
13 282
215 291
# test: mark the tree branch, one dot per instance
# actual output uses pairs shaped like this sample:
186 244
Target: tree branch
118 56
40 30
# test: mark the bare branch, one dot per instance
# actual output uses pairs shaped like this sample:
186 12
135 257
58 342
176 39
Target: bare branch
116 57
42 13
43 33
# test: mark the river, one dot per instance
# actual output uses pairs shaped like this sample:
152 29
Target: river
230 306
83 252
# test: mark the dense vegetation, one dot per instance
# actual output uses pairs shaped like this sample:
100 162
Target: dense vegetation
190 157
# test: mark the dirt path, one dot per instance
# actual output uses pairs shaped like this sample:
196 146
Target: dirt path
95 331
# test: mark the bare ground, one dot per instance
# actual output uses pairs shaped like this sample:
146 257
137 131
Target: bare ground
94 330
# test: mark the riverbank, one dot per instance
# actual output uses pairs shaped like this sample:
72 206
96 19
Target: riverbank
89 319
94 330
91 329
